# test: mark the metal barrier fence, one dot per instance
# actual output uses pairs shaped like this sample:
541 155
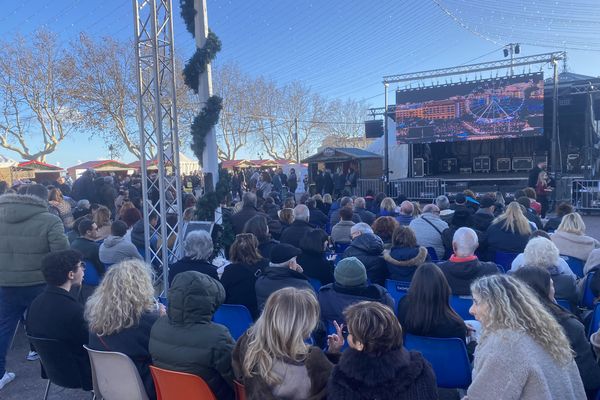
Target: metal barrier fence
587 194
418 189
364 185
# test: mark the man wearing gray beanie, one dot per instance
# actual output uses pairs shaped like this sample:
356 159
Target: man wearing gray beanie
350 286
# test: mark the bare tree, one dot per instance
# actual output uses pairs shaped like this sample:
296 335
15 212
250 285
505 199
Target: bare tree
37 111
345 123
237 123
105 89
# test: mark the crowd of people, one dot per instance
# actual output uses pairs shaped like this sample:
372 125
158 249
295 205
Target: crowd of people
312 273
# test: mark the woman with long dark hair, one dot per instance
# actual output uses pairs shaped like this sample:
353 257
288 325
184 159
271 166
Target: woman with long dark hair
540 281
258 226
425 310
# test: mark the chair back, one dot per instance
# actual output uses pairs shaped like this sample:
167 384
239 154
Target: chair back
397 289
461 305
235 317
58 362
315 283
505 260
595 322
575 264
115 377
447 356
341 247
588 297
240 390
173 385
432 254
91 276
564 303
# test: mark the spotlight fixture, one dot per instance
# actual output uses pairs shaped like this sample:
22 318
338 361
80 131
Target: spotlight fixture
505 52
517 49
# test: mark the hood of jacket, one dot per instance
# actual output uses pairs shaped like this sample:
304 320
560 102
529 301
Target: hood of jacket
193 298
137 234
18 207
406 257
574 238
369 371
368 243
112 241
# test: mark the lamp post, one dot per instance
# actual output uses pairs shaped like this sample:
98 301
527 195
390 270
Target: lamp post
386 155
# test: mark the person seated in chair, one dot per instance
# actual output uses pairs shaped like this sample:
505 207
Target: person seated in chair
116 247
198 250
464 266
186 339
368 248
56 313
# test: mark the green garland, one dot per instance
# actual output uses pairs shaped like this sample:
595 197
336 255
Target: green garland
196 65
203 123
188 13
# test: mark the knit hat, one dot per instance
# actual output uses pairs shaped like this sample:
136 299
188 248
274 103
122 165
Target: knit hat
461 218
486 202
284 252
350 272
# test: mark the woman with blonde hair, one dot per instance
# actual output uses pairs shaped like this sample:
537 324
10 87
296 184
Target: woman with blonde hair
571 240
61 208
387 208
120 315
523 352
509 232
102 220
272 358
327 202
542 190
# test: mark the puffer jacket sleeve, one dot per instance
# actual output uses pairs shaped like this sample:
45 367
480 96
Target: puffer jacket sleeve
222 358
57 240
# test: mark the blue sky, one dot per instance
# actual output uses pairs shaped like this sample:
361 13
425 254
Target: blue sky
338 48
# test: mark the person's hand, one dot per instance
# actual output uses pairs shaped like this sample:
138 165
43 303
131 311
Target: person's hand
162 310
335 342
331 257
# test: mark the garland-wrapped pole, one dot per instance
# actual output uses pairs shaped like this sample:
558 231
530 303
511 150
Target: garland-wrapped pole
210 162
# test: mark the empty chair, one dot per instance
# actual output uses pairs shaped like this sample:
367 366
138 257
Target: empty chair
448 357
505 259
316 284
59 365
396 289
235 317
115 377
173 385
461 305
575 264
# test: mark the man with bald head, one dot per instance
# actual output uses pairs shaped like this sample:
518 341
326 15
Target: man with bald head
296 231
405 213
428 229
464 267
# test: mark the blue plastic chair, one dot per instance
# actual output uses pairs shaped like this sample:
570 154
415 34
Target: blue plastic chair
432 254
505 260
91 276
316 284
575 264
448 358
564 303
595 322
235 317
461 305
142 251
588 297
341 247
397 289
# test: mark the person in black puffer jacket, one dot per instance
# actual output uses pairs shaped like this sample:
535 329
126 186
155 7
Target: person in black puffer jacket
368 248
186 339
377 366
405 256
350 286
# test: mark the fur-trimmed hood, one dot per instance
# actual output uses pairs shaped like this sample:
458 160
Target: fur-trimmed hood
15 208
404 257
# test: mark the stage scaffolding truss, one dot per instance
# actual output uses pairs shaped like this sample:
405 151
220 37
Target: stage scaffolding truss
159 141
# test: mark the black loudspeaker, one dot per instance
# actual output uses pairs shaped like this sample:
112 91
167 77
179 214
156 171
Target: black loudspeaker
522 163
540 158
573 162
374 129
449 165
503 164
418 168
482 164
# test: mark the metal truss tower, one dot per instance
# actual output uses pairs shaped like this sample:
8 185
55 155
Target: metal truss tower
157 118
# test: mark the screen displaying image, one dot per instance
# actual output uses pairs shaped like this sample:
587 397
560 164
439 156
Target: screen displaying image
497 108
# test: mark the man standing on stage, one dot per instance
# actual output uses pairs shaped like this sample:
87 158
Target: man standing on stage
534 173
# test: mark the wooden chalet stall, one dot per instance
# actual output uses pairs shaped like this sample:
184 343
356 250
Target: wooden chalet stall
368 165
102 167
37 171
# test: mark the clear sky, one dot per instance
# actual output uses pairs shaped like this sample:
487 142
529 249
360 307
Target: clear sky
338 48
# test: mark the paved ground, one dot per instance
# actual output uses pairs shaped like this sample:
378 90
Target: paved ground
28 384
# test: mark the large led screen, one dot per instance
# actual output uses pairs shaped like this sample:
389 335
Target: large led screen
498 108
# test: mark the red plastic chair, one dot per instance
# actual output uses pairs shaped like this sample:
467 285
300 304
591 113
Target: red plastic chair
240 390
173 385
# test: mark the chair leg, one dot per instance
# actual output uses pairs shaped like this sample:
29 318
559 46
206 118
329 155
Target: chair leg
12 342
47 390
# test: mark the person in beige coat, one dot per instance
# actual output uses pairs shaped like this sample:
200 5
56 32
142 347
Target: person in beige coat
523 352
571 240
